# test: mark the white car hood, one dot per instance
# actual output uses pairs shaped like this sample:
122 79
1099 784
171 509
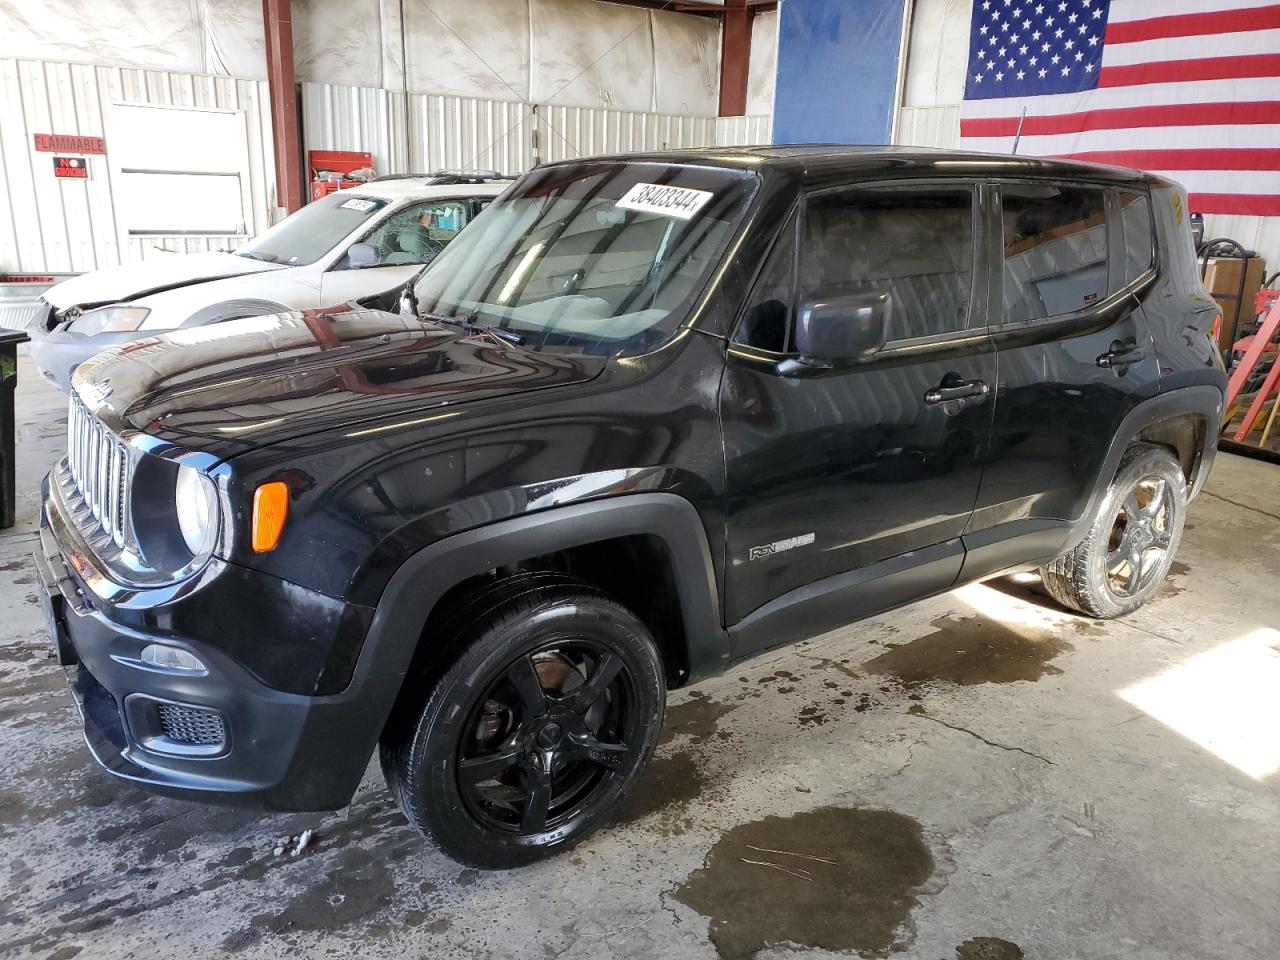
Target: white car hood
162 272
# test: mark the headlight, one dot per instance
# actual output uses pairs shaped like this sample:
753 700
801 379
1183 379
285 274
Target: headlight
196 503
117 319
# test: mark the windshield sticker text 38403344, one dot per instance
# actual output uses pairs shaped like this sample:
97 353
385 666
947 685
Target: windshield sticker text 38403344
679 202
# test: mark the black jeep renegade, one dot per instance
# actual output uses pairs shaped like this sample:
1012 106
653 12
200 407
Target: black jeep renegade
647 416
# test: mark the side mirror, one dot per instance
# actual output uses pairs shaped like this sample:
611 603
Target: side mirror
831 330
361 255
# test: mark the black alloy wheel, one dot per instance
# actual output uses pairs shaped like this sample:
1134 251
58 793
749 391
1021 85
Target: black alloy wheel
550 707
550 733
1129 548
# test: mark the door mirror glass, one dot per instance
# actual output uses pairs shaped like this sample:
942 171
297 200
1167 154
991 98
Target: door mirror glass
361 255
835 329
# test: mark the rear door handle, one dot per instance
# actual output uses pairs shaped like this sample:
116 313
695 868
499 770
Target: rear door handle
1122 357
957 391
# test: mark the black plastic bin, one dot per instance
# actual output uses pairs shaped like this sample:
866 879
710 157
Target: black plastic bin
9 340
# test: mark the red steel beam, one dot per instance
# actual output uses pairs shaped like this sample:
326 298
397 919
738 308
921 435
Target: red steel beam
277 21
735 58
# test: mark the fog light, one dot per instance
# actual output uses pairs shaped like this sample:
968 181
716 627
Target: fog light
164 657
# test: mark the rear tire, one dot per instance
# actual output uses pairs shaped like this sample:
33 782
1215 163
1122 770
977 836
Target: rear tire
1127 553
551 706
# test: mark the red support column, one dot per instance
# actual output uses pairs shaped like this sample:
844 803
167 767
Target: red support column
735 58
277 22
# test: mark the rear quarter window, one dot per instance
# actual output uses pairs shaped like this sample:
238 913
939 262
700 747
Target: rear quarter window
1137 238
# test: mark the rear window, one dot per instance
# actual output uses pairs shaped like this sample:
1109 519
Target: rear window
1055 250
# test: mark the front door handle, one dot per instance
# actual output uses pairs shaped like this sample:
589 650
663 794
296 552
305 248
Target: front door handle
1121 356
957 391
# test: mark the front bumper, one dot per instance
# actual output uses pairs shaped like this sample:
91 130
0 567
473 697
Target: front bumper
57 354
278 750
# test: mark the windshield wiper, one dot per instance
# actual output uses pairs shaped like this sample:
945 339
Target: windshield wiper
264 257
409 292
470 326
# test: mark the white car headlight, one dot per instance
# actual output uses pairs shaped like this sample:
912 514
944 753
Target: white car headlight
115 319
196 504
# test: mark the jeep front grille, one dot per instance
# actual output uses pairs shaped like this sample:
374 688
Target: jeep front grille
99 464
191 725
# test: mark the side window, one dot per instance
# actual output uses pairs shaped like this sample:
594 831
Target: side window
1135 228
914 244
418 232
766 323
1055 250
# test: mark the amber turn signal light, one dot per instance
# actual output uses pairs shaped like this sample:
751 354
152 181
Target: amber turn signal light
270 510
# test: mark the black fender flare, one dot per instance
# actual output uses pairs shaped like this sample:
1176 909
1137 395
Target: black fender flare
1203 400
360 713
420 582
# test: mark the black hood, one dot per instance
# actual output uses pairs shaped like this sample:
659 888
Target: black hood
231 387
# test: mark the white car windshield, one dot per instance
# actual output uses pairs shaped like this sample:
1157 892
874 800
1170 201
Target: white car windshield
597 257
307 235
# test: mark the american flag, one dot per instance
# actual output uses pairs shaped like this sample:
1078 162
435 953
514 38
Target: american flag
1186 88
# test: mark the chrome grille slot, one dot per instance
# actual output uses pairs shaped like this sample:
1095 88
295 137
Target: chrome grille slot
99 465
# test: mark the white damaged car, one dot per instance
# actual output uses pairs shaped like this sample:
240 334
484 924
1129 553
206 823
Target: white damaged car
354 243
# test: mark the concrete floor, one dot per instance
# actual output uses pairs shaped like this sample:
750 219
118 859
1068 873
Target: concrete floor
979 776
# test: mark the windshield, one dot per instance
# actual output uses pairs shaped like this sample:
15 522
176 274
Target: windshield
600 258
307 235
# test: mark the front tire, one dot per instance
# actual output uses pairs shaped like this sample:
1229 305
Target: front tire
1125 557
540 726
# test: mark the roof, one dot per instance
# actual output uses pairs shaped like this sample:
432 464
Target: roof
818 162
420 188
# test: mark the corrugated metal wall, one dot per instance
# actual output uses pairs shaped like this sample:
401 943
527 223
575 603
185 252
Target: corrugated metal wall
49 225
744 131
1253 233
929 126
444 131
456 132
568 132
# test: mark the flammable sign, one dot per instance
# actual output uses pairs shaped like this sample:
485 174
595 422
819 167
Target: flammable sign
71 168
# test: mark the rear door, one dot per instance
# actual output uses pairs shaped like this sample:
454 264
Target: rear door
1074 354
842 470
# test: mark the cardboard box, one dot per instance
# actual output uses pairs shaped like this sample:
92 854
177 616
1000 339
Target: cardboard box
1222 279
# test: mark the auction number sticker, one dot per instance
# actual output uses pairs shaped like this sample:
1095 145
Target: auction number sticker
357 204
679 202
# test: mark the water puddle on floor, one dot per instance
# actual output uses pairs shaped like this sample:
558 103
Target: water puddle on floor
698 718
971 650
988 948
676 777
833 878
1173 588
666 786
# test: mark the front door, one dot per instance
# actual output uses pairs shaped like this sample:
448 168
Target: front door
859 467
406 240
1074 356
